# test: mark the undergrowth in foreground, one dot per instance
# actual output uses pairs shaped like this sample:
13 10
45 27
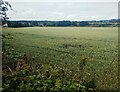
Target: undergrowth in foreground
21 72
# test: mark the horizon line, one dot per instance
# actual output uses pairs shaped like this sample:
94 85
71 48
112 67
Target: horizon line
57 20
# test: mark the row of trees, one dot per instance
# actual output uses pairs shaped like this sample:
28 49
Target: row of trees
62 23
45 23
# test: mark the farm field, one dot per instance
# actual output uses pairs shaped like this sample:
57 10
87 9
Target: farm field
95 49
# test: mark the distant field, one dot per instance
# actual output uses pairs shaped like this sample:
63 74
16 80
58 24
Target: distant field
66 46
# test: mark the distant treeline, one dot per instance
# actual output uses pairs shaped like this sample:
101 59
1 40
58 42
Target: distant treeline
64 23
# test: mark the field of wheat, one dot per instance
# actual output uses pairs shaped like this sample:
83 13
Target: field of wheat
88 53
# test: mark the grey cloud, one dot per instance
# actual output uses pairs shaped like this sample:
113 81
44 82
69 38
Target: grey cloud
62 10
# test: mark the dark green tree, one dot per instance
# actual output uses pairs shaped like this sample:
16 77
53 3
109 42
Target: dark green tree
4 6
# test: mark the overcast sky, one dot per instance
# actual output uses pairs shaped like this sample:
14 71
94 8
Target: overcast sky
63 0
64 10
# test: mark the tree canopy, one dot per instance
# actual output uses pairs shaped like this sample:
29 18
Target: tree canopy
4 6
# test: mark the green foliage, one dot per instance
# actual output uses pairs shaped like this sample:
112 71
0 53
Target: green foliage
46 78
4 7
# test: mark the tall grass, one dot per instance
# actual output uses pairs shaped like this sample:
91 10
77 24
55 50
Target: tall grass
87 54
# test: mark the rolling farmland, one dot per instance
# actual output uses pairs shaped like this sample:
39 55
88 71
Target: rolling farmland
88 53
